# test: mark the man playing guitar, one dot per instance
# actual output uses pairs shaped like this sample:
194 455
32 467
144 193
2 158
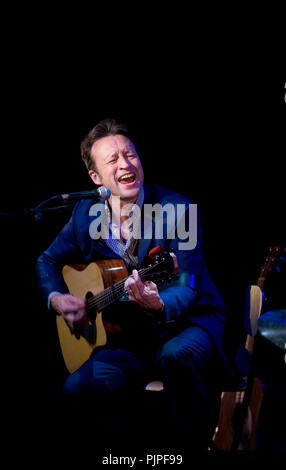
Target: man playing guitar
174 331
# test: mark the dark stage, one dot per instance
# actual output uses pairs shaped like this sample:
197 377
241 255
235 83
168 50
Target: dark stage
214 133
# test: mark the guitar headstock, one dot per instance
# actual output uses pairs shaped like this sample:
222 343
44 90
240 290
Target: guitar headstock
163 266
274 252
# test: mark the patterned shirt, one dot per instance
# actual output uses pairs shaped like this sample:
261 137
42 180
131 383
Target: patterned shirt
126 249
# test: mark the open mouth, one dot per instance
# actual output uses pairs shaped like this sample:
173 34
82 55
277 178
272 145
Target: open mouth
128 178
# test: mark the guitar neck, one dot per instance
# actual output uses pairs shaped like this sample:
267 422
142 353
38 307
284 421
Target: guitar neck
111 294
274 251
261 281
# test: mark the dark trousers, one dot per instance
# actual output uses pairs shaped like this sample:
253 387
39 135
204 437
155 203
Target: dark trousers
110 388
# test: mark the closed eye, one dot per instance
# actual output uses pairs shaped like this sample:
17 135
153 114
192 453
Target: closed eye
131 155
112 160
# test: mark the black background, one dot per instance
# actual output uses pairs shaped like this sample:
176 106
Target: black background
210 126
209 120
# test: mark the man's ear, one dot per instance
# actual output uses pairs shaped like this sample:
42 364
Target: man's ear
95 177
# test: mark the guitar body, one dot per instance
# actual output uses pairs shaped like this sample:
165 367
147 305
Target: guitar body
102 283
80 279
230 406
231 402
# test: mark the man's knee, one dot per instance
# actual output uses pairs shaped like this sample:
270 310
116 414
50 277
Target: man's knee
178 362
186 355
94 377
71 387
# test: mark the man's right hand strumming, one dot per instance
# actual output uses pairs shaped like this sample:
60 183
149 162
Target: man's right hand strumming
72 308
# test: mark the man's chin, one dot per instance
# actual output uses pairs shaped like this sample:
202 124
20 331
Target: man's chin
129 194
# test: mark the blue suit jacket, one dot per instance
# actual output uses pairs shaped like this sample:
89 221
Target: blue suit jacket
203 304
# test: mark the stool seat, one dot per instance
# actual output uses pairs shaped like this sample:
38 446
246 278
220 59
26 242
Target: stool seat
154 386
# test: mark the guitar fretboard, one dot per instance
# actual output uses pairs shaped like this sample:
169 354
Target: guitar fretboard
103 299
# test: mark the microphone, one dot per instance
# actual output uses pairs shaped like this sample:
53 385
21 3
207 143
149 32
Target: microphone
101 193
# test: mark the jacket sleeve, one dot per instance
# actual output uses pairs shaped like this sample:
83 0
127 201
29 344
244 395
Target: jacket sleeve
193 285
49 264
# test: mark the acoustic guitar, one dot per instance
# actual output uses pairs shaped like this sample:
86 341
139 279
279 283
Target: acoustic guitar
240 410
102 283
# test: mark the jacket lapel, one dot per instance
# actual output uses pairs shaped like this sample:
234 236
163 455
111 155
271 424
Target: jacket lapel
147 228
147 231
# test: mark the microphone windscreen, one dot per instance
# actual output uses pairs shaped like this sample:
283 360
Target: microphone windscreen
104 193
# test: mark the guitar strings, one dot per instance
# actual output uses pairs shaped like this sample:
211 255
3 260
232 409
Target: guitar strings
99 300
102 299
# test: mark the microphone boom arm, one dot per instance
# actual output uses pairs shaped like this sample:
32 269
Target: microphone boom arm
102 193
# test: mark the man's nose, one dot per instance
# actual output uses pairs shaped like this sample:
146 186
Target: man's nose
123 162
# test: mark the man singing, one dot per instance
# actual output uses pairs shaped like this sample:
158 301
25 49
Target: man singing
173 333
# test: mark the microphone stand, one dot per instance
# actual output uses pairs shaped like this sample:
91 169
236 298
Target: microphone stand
68 199
38 211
